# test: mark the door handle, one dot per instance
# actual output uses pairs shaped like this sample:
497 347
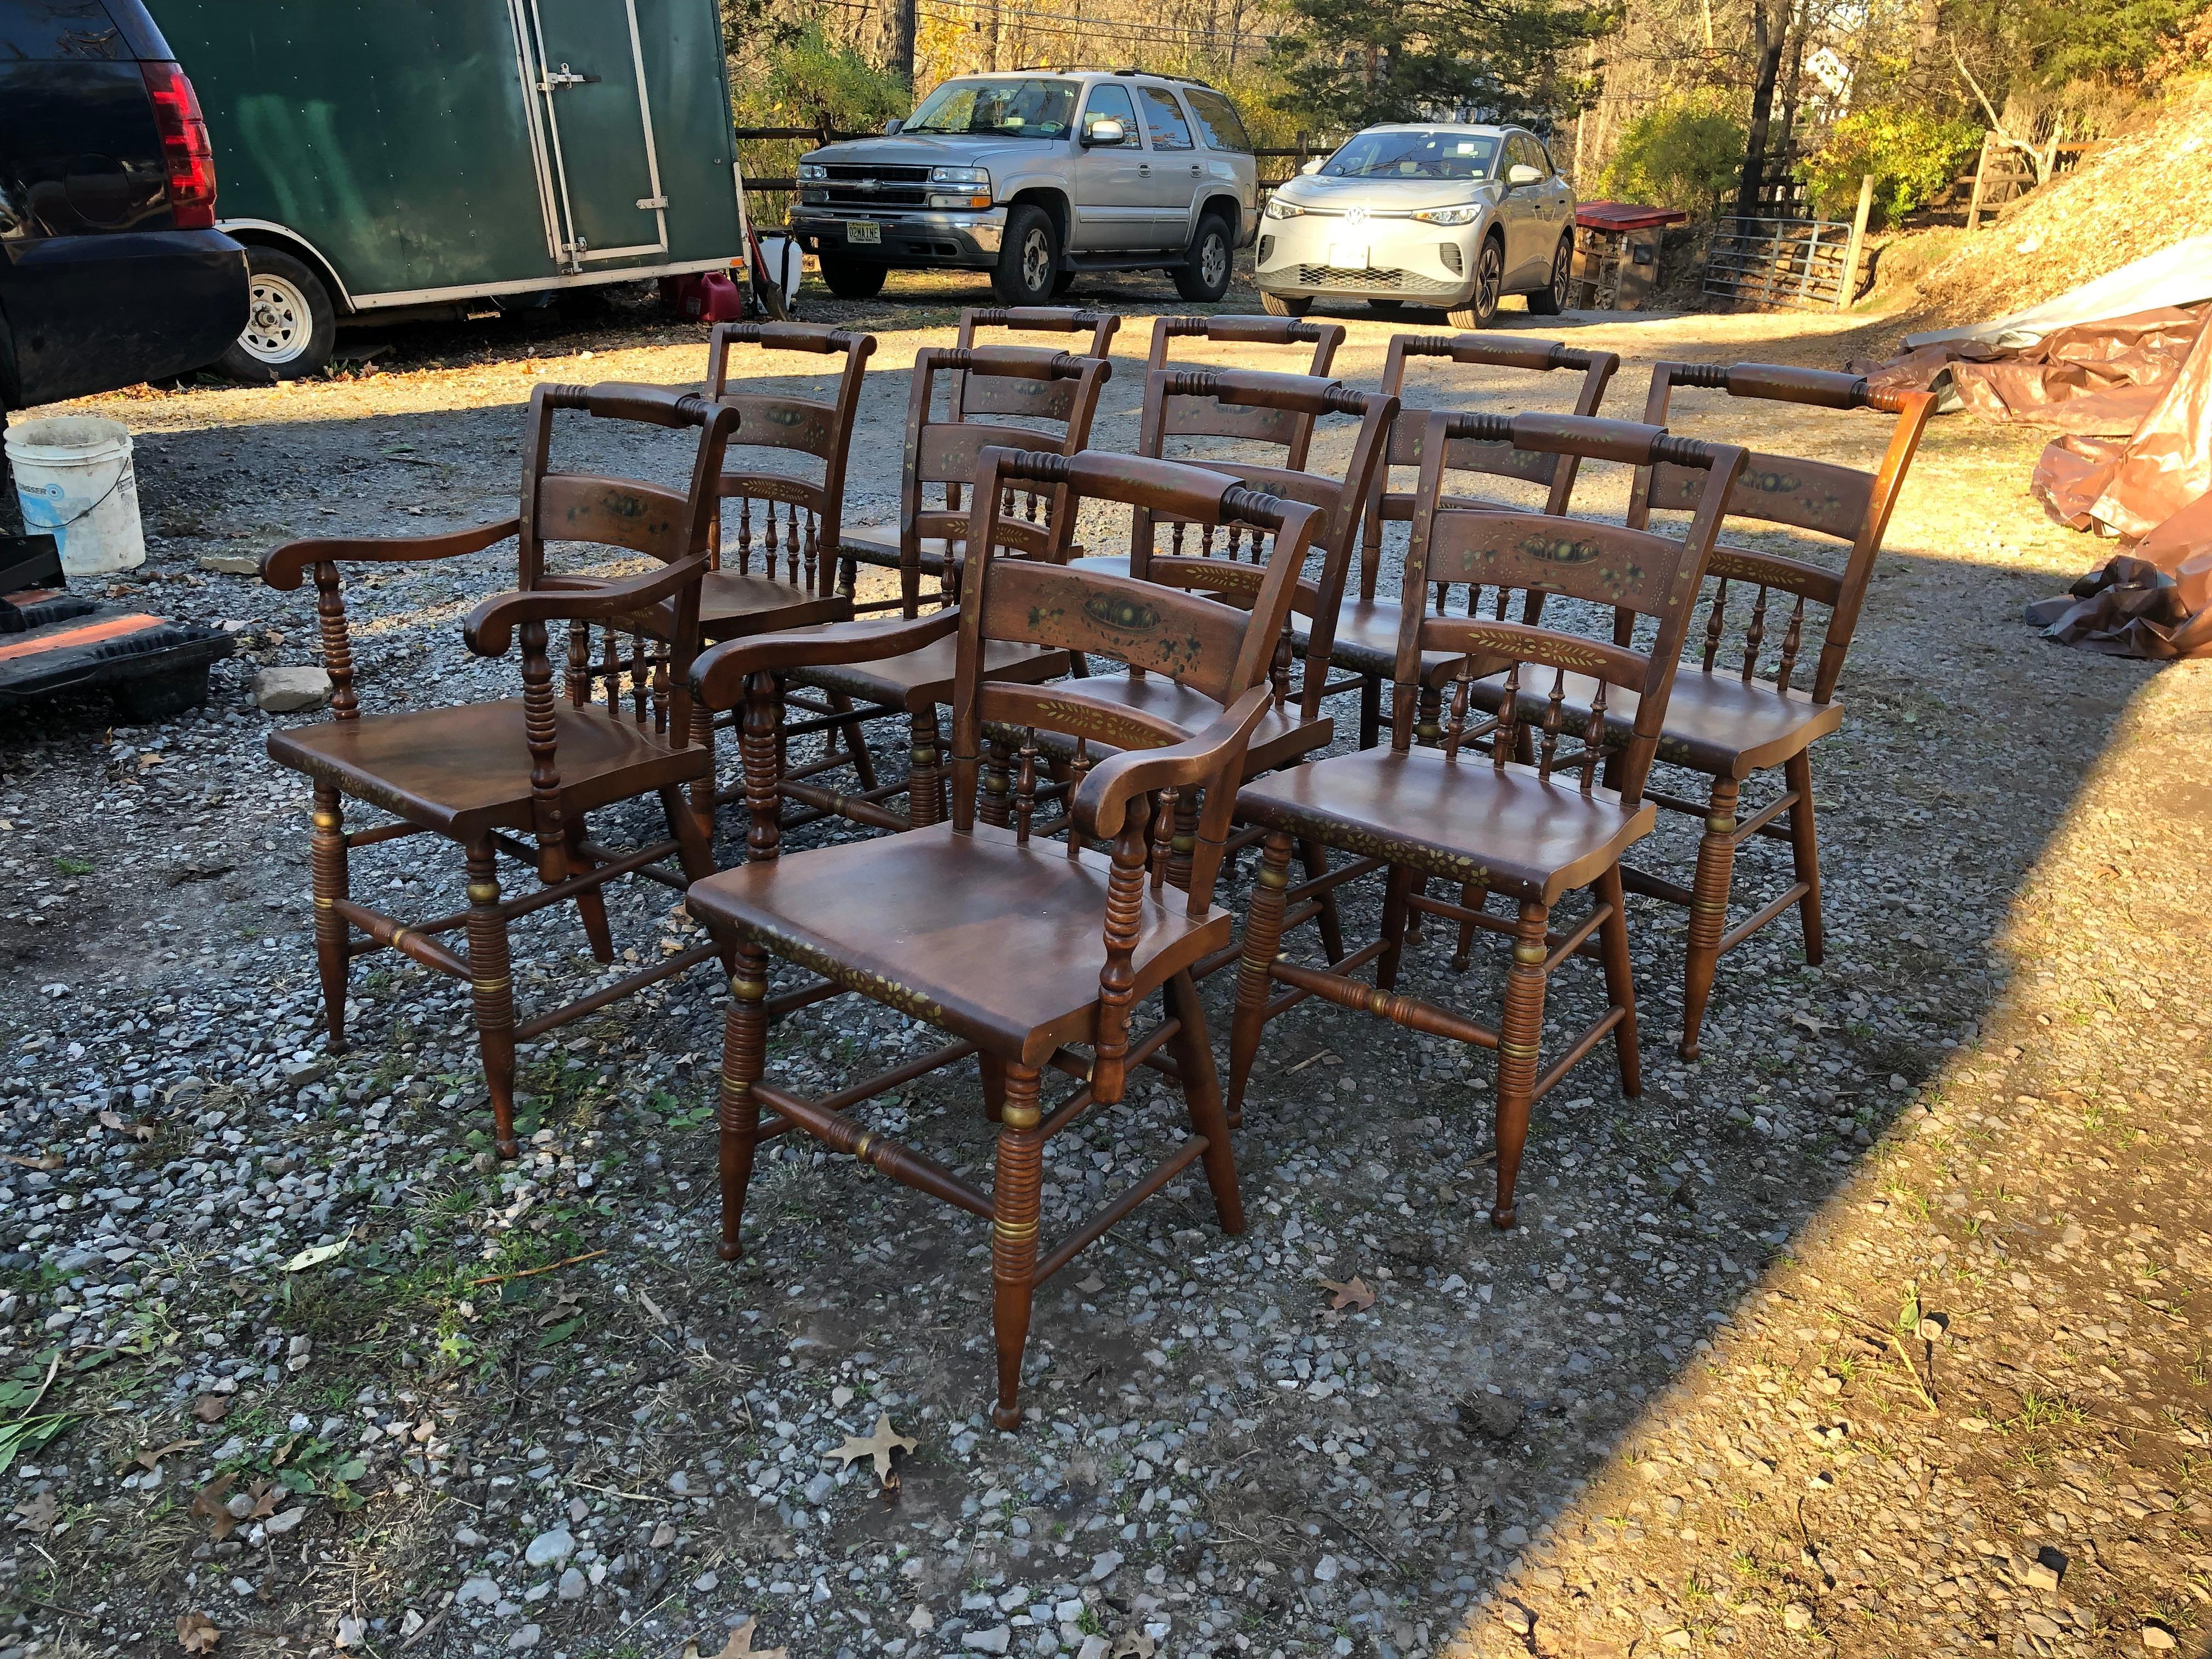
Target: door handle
1143 169
1196 170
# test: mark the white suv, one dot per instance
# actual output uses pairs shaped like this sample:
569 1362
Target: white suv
1037 176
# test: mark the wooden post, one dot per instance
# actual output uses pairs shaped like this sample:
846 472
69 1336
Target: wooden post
1848 291
1981 172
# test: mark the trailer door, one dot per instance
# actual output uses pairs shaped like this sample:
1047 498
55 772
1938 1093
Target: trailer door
584 72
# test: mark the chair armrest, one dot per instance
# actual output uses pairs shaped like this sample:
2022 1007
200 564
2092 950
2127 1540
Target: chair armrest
1102 802
283 568
718 677
492 622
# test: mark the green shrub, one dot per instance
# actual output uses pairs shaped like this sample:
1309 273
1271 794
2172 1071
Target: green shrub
1683 153
1911 155
812 80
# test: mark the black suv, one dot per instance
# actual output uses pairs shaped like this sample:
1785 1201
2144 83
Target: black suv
112 271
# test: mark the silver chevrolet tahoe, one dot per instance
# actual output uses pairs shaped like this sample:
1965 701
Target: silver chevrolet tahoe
1037 176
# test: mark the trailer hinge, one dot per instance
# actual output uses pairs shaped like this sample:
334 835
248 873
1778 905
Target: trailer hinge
554 80
574 252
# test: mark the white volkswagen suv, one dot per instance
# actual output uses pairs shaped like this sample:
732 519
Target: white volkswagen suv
1445 215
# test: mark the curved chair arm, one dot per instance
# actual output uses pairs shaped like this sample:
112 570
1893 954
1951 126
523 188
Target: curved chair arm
719 676
283 568
492 622
1102 803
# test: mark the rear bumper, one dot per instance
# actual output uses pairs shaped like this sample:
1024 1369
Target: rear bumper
959 239
90 314
1384 259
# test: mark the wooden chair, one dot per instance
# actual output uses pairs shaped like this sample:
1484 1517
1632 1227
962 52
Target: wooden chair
1005 397
839 670
1292 432
1366 639
1023 952
1728 721
489 776
1509 823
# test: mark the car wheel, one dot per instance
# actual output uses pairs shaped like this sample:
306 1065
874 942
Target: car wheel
1205 279
1282 305
290 323
1029 257
1489 277
1552 298
853 279
1388 307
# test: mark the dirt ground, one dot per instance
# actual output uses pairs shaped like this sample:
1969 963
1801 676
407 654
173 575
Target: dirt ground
1880 1329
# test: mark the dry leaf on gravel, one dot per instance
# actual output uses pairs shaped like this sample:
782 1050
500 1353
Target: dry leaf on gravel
878 1445
36 1514
739 1646
122 1125
208 1505
315 1255
150 1459
352 1627
1134 1645
49 1161
197 1632
563 1303
268 1496
211 1407
1351 1294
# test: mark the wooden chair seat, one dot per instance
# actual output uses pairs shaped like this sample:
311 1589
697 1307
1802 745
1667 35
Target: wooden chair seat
1719 724
1367 640
879 544
972 928
919 681
465 770
1398 505
1507 828
732 605
1282 738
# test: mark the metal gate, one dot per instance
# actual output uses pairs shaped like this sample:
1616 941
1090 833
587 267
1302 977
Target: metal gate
582 66
1789 262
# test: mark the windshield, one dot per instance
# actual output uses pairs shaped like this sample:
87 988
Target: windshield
1413 155
1001 109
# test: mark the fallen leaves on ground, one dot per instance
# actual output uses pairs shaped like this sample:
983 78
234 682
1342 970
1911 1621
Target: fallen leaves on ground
1133 1645
211 1407
739 1646
352 1628
196 1633
877 1444
51 1162
1351 1294
315 1255
36 1514
122 1125
210 1503
150 1459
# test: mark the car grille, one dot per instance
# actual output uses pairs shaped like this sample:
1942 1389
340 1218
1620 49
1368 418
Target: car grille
1379 279
865 186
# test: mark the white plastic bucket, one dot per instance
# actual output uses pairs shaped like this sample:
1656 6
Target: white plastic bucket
75 480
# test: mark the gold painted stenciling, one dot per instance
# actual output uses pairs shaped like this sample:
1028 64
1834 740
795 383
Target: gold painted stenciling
1085 720
1551 648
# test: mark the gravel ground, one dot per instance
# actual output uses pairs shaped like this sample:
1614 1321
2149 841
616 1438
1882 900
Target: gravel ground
1880 1328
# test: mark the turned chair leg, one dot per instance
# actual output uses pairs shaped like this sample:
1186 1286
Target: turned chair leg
327 862
591 903
492 989
1709 898
702 792
1399 924
1263 936
995 1085
1014 1210
1472 896
1314 856
1519 1034
1805 850
925 804
856 741
1201 1091
1619 980
737 1116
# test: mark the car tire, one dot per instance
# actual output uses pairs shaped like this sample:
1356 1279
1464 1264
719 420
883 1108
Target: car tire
853 279
1029 257
1552 298
1282 305
1204 278
1489 277
291 325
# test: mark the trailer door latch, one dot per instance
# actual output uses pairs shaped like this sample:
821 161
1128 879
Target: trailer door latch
649 203
554 80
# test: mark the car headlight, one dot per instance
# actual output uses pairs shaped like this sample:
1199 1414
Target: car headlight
975 176
1278 209
1466 214
813 170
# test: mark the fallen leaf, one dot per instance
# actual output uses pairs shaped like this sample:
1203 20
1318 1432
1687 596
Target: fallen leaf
211 1407
1134 1645
121 1124
150 1459
1813 1022
197 1632
739 1646
36 1514
1351 1294
877 1445
208 1505
564 1302
267 1497
315 1255
50 1161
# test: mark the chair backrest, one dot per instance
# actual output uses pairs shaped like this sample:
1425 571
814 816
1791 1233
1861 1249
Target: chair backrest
946 451
1636 573
1818 498
1553 473
1050 400
1265 426
1339 500
1128 799
812 510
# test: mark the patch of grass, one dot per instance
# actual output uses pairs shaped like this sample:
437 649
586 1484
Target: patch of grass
75 866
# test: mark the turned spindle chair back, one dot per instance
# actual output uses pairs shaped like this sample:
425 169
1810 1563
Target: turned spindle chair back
1050 400
1026 954
517 778
787 523
1285 429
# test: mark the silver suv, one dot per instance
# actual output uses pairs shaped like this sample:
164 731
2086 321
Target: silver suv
1037 176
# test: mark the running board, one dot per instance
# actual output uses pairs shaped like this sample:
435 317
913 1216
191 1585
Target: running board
1085 262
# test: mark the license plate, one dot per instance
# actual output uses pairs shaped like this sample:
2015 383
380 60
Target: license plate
1347 256
871 234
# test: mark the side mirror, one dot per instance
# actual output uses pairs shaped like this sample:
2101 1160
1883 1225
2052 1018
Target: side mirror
1521 174
891 127
1105 131
1311 167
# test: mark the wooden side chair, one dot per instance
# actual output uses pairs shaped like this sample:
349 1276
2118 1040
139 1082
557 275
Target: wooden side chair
1729 720
1292 432
519 777
992 399
1525 821
1366 640
1026 954
839 669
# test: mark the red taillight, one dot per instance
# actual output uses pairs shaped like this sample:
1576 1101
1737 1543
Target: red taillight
185 148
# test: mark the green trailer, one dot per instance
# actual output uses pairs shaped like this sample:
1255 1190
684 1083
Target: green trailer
384 159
